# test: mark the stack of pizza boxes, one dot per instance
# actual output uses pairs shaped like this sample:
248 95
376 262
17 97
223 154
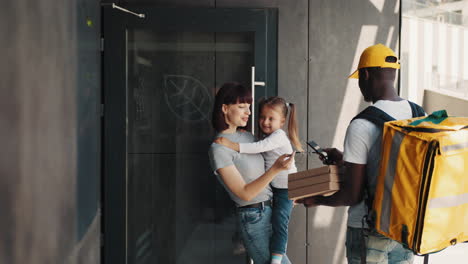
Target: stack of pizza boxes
319 181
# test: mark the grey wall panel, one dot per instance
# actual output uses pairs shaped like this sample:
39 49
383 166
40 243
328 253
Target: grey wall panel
88 82
48 105
339 31
292 62
38 129
292 85
336 29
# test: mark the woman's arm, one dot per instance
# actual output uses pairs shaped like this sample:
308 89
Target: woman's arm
236 184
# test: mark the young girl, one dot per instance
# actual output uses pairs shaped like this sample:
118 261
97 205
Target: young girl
274 143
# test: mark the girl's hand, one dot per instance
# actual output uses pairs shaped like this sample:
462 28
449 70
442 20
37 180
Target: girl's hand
221 141
283 162
227 143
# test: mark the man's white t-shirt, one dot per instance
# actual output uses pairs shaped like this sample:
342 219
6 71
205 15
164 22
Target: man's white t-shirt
361 135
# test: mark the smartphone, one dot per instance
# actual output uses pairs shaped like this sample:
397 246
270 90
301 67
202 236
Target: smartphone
318 150
291 155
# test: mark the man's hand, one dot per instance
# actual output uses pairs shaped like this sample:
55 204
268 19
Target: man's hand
308 201
335 156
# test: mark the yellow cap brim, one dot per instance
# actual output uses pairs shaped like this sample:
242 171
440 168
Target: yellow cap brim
354 75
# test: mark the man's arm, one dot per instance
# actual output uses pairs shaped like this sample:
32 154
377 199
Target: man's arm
360 135
351 189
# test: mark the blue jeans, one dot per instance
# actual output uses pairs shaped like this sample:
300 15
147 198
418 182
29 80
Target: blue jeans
282 208
255 230
380 249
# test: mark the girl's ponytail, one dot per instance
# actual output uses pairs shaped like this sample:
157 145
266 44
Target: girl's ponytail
293 132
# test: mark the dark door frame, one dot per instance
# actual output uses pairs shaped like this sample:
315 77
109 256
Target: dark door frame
115 24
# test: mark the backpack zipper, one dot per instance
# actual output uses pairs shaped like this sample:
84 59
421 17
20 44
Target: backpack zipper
428 130
424 193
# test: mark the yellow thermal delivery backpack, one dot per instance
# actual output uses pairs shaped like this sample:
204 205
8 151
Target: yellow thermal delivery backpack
421 197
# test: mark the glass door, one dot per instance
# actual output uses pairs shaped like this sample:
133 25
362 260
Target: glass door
162 203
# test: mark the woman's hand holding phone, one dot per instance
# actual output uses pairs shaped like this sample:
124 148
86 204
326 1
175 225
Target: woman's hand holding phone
284 162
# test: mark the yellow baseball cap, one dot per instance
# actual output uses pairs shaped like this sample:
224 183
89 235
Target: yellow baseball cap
376 56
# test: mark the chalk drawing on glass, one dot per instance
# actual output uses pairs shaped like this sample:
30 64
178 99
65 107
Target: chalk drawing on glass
187 97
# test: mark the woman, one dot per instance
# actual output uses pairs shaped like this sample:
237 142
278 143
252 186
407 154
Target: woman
243 175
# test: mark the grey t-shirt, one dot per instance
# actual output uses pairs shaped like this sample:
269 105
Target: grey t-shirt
250 166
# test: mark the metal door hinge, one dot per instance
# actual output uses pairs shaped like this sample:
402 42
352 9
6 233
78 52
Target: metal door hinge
102 110
102 44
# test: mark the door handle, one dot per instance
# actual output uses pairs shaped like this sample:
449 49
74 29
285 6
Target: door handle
254 83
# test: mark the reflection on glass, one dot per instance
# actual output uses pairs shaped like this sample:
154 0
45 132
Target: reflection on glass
177 211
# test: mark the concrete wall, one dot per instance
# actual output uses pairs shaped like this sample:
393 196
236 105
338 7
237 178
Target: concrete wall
42 92
338 32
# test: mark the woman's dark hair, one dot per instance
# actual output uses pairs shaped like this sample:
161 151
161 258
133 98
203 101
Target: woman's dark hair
229 93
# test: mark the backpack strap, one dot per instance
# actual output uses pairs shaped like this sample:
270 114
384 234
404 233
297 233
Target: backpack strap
375 116
416 110
378 118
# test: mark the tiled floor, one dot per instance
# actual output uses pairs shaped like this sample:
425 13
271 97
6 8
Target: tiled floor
211 243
